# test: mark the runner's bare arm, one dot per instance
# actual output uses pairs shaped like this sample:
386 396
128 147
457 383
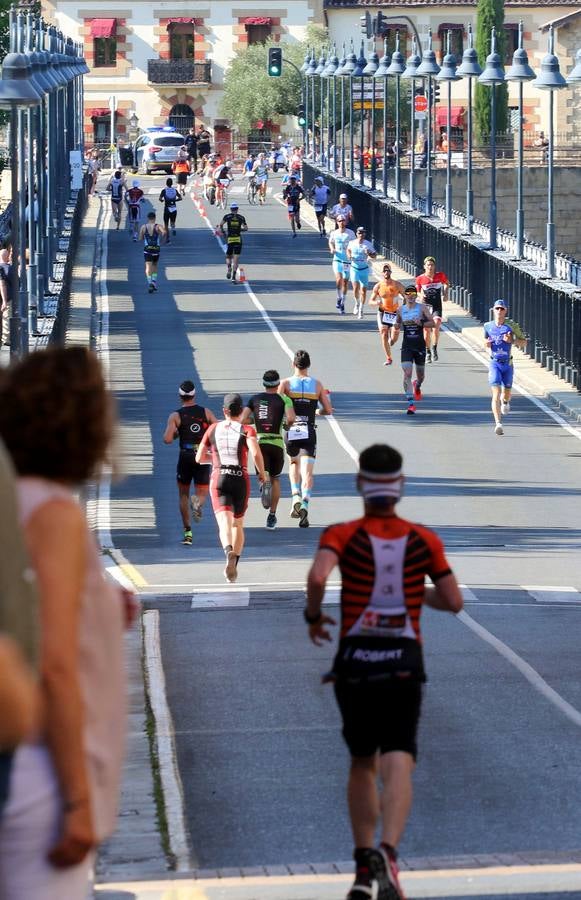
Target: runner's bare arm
256 454
427 320
323 398
374 299
323 564
247 415
210 416
445 595
171 429
203 449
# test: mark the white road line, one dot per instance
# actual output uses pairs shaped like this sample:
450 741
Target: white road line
531 675
575 432
335 427
164 738
545 594
211 585
116 573
221 599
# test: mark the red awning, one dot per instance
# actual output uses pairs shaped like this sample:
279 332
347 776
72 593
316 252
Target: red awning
181 21
103 28
97 112
257 20
456 118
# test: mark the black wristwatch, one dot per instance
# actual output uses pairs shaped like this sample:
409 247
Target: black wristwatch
312 620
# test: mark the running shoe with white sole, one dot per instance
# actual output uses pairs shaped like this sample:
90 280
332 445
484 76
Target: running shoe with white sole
230 572
385 871
505 407
435 353
360 313
303 516
271 521
295 507
356 310
266 493
196 507
498 429
187 538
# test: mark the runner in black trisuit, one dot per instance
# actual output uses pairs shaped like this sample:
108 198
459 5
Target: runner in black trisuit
189 423
232 226
412 318
151 234
169 197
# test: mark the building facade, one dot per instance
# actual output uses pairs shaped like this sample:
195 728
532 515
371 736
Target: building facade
343 20
164 62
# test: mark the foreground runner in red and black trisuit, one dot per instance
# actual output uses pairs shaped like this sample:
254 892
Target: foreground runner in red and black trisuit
378 671
229 442
189 423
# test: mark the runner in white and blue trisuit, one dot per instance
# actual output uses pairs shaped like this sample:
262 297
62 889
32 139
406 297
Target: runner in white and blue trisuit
338 241
360 251
499 339
412 318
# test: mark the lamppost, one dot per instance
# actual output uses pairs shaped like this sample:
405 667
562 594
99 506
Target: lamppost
339 74
330 73
428 68
493 74
310 73
447 75
347 72
519 72
320 72
396 69
369 71
469 68
382 73
305 97
410 74
358 73
550 79
17 92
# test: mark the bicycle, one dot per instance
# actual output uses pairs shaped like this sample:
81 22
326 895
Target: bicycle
251 191
222 193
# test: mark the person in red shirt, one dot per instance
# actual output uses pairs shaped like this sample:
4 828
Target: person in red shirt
378 671
227 443
433 288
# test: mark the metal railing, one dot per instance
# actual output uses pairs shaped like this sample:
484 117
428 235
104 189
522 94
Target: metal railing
178 71
548 310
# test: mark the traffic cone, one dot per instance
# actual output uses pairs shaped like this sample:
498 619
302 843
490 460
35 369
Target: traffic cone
241 275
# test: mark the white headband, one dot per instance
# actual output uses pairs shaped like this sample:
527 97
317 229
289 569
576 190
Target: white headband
378 484
187 393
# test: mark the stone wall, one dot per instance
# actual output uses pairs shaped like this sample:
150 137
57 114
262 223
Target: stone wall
567 201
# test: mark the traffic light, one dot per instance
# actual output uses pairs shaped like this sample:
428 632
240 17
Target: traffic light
302 119
274 61
366 25
436 91
380 24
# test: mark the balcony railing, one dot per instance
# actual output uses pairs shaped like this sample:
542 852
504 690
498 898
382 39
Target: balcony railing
178 71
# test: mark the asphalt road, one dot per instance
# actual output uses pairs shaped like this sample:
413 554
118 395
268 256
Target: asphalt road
259 751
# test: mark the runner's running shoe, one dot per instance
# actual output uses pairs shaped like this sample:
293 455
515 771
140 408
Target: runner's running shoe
499 429
384 869
196 509
411 409
271 521
388 362
303 516
417 391
428 356
505 407
266 493
187 538
295 507
230 572
435 353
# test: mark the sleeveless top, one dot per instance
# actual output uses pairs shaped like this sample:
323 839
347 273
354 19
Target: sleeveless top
151 240
116 189
193 425
101 665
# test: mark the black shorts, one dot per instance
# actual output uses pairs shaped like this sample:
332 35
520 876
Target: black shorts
308 446
273 459
322 211
134 213
413 356
182 178
234 249
169 215
150 257
380 716
230 490
189 470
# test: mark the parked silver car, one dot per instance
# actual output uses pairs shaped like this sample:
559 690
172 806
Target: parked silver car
157 148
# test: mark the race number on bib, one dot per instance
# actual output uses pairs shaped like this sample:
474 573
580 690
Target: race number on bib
388 318
290 208
298 432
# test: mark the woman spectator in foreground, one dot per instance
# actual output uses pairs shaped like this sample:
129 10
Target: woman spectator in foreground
56 421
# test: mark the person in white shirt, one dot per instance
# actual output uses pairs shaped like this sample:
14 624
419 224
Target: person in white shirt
342 208
338 241
320 196
360 251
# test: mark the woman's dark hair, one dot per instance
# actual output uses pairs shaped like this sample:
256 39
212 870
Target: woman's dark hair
302 359
381 459
56 415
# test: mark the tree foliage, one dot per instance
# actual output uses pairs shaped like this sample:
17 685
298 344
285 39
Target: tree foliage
489 15
250 94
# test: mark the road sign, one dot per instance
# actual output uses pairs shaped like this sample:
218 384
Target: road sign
420 116
367 104
420 103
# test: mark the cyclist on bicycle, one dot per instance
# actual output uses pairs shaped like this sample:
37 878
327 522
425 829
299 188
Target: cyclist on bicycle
117 187
134 197
222 180
260 171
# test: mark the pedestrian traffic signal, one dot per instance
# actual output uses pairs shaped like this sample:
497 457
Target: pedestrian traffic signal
275 61
366 25
380 24
301 116
436 91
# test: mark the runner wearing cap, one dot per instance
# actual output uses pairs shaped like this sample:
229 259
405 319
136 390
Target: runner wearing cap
378 671
499 338
387 295
320 197
338 241
413 318
271 411
228 442
433 288
293 194
360 251
189 423
260 172
134 197
232 226
342 208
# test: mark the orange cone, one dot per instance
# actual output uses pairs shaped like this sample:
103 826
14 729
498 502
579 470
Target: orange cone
241 275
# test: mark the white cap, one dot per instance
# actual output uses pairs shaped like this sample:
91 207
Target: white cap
342 196
135 182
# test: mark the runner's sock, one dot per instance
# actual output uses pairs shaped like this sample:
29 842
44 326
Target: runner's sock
306 495
295 490
154 277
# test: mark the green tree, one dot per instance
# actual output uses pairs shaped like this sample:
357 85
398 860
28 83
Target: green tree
251 94
489 15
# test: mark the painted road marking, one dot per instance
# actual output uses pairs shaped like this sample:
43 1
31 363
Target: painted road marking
442 883
221 598
531 675
164 737
546 594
